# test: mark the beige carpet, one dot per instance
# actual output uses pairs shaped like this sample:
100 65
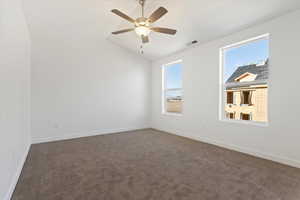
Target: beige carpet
150 165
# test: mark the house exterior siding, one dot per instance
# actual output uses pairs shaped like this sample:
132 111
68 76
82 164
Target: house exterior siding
257 110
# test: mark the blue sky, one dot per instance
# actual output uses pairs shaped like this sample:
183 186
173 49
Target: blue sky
174 79
253 52
174 76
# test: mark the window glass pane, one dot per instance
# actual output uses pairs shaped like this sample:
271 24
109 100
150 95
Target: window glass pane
245 79
249 53
173 76
174 101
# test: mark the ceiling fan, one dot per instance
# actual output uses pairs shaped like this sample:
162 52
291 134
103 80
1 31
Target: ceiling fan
142 25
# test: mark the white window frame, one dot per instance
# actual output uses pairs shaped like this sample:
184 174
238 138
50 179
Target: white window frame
164 90
222 95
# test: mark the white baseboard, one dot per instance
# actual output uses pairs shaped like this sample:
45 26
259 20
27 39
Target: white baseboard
17 175
79 135
278 159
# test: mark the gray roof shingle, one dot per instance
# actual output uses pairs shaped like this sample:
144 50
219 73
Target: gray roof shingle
261 71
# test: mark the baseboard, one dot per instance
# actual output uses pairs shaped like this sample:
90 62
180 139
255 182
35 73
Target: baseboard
17 175
278 159
79 135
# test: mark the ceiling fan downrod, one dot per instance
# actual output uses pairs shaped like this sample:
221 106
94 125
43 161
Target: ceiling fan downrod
142 3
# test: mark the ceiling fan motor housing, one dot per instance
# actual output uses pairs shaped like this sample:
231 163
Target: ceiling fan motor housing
142 21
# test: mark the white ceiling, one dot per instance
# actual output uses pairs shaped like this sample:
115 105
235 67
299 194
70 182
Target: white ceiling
201 20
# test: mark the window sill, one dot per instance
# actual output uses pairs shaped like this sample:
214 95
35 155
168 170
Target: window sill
172 114
261 124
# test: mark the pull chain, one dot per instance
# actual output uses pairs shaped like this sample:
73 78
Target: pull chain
141 49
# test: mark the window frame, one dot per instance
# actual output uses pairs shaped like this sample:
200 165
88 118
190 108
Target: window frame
222 93
164 90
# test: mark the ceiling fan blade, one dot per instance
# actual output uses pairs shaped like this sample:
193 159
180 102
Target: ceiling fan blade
145 39
156 15
124 16
164 30
122 31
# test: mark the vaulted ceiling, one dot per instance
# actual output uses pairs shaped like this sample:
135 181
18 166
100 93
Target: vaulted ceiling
201 20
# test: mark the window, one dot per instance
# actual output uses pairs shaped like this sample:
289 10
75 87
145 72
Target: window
244 68
245 116
230 115
246 97
229 97
172 88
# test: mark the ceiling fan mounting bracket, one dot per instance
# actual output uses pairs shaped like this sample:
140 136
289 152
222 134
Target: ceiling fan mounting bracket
142 2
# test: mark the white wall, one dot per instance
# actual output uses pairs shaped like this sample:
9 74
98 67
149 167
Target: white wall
14 97
83 85
280 140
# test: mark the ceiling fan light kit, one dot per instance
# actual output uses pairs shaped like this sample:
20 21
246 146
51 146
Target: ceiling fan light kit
142 30
143 25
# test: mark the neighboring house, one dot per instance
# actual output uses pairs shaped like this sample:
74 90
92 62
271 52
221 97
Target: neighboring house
247 93
174 104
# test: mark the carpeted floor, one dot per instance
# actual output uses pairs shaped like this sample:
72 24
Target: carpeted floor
150 165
